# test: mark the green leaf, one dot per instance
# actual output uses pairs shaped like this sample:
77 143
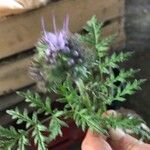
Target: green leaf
7 144
39 138
10 137
35 100
21 117
86 120
8 133
93 28
104 45
55 127
113 61
23 141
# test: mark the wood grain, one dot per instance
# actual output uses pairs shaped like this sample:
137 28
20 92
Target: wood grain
20 32
13 75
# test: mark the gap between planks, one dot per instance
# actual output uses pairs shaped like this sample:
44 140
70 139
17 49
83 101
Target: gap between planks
20 32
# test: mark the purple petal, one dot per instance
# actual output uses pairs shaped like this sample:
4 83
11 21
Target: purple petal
66 24
51 38
54 25
61 41
43 26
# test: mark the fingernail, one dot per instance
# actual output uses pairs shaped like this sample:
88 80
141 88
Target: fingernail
116 134
110 113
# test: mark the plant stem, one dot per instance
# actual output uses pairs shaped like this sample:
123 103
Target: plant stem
83 93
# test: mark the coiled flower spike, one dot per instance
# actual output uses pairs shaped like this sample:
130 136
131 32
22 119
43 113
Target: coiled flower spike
61 47
55 42
59 52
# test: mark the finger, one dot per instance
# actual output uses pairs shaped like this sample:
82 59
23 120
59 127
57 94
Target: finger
94 142
121 141
110 113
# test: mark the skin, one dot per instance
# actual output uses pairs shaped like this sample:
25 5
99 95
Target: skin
118 141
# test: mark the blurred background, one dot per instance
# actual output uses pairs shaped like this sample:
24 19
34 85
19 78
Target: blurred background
137 30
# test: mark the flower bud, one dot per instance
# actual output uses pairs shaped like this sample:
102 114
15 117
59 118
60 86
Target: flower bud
71 62
75 53
80 60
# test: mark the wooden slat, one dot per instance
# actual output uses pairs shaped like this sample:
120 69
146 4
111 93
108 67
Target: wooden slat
6 119
115 27
11 99
13 75
20 32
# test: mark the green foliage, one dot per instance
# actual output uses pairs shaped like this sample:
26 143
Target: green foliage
112 61
36 101
32 122
94 29
85 97
55 126
131 123
42 106
10 137
102 85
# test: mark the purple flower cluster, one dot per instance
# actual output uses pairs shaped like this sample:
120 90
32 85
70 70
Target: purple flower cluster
55 42
60 42
58 53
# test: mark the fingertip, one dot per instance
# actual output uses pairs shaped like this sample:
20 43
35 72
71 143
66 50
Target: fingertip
120 140
94 141
109 113
116 134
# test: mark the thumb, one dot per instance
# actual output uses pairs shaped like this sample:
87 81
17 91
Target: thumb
121 141
93 141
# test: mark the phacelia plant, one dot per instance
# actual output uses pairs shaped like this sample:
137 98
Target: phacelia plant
79 70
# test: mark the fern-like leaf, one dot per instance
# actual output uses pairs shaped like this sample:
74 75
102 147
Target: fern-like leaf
10 137
112 62
36 101
39 138
94 29
21 117
23 141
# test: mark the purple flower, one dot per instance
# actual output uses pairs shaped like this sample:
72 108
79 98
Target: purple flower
75 53
57 40
62 49
71 62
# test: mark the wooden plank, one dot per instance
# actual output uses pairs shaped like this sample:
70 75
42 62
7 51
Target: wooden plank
6 119
119 43
12 99
13 74
20 32
115 27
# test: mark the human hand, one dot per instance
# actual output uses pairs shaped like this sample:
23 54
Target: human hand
118 141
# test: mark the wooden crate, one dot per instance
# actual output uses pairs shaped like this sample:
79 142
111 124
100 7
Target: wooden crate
19 33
